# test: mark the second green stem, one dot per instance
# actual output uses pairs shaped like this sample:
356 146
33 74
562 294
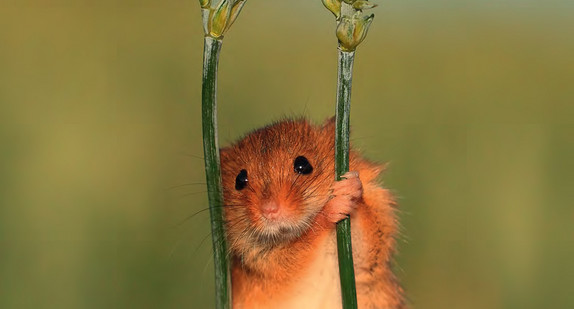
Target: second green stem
342 120
211 51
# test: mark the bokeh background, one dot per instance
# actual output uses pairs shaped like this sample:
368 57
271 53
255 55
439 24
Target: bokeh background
471 102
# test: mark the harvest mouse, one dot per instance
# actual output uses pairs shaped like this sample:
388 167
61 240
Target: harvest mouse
281 204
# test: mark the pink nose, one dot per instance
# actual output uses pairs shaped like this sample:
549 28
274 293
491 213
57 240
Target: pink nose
270 210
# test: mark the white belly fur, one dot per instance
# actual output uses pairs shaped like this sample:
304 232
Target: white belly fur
320 287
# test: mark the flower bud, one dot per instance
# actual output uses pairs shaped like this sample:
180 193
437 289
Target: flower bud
351 31
218 19
352 24
235 10
334 6
204 3
361 5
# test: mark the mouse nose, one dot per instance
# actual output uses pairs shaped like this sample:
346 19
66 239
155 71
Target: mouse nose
270 210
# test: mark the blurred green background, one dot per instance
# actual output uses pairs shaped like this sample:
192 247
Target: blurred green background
471 102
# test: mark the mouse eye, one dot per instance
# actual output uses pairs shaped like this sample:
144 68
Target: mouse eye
241 180
302 166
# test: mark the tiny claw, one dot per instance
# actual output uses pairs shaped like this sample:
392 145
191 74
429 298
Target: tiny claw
350 174
350 185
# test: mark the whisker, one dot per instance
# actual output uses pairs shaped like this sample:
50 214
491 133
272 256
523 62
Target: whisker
293 184
191 156
203 210
186 184
193 193
201 243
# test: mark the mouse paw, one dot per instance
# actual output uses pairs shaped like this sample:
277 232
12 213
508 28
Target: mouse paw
346 195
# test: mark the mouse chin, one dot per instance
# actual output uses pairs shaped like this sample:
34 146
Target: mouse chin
280 232
283 228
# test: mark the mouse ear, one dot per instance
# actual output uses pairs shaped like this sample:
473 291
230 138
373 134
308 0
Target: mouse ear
329 125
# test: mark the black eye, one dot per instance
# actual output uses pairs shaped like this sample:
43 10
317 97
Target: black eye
302 166
241 180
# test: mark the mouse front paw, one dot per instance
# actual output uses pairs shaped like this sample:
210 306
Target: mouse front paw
345 197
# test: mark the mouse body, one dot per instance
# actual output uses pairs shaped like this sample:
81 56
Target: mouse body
281 205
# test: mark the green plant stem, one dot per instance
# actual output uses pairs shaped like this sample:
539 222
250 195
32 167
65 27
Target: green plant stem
211 51
344 248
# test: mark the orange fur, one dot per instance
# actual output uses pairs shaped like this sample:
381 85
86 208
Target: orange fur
291 262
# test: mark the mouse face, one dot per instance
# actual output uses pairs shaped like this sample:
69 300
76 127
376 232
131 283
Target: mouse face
276 181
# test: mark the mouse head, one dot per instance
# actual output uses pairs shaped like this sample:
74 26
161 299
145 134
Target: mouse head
276 180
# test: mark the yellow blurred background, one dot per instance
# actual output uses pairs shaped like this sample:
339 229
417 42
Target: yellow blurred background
471 102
